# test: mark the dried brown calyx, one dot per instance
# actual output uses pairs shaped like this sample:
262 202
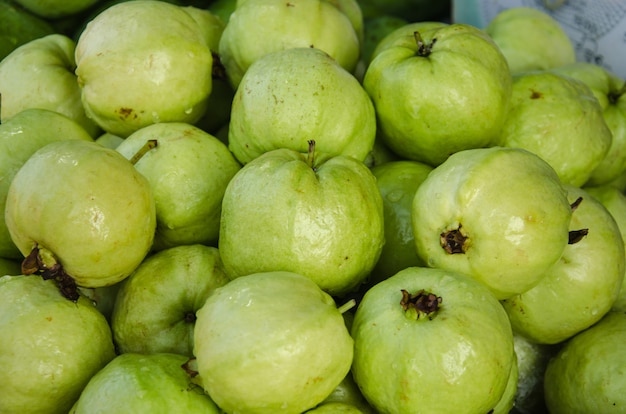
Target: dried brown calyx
420 305
454 241
40 262
423 49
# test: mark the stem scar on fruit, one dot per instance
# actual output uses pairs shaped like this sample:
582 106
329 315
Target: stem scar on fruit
423 49
453 241
41 262
420 304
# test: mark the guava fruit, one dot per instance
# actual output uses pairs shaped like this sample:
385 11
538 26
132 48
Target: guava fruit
582 285
155 307
10 267
258 27
137 383
558 118
500 215
156 70
587 374
271 342
50 347
80 213
430 340
20 136
445 89
19 26
313 214
188 172
291 96
56 9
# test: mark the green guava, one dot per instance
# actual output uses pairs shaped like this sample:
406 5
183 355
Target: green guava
291 96
188 172
313 214
20 136
587 375
271 342
50 347
19 27
137 383
582 285
499 215
10 267
376 28
155 308
430 340
79 209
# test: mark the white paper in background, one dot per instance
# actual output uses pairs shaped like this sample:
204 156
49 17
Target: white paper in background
597 28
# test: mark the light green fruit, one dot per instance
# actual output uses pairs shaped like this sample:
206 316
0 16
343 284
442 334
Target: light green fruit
347 392
531 39
558 118
297 23
398 181
446 90
43 64
499 215
380 154
103 298
335 408
109 140
614 200
188 172
20 137
300 212
291 96
611 94
587 375
507 400
156 70
49 348
532 359
582 286
55 9
135 383
155 308
85 207
19 27
430 340
271 342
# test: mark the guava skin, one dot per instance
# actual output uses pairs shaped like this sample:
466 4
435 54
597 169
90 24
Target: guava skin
499 215
188 172
158 69
610 91
281 213
271 342
558 118
55 9
20 137
155 307
446 91
49 348
531 39
85 205
291 96
19 27
398 181
138 383
582 286
297 23
455 358
43 64
587 374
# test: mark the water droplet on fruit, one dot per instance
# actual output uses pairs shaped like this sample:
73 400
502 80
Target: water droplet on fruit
188 111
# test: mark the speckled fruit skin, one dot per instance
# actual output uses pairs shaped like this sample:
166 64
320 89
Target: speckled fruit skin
85 204
457 359
271 343
156 70
291 96
444 93
144 383
281 213
509 208
50 346
587 374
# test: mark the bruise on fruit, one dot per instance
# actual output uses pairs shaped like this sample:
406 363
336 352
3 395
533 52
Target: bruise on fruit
126 113
190 367
422 303
453 241
535 94
34 264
